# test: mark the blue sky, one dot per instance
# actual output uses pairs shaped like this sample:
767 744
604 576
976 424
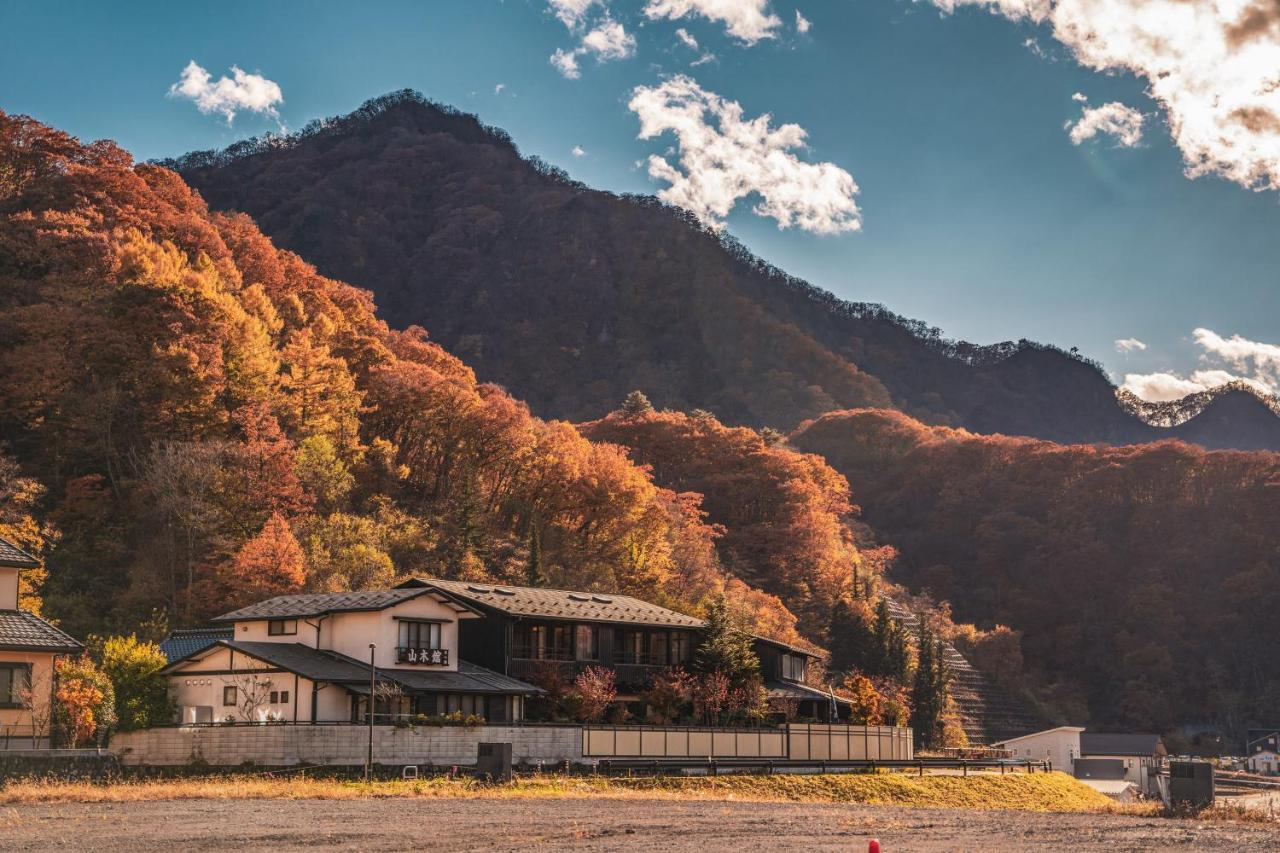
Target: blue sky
978 213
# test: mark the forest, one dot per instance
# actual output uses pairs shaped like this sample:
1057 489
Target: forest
194 419
1143 579
572 297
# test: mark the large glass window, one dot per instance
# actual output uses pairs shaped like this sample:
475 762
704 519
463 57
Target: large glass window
793 667
543 642
420 635
587 643
658 645
14 679
680 647
632 647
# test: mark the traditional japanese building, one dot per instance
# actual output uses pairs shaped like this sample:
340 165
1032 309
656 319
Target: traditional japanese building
29 646
319 658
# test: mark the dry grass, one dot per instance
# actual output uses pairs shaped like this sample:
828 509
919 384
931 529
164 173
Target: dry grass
1045 792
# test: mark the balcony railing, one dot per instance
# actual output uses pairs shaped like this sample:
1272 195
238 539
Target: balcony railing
428 657
534 653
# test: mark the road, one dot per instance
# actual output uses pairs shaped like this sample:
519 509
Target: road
586 824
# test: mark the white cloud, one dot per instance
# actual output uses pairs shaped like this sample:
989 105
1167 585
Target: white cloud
746 20
802 23
578 151
571 13
1129 345
1080 98
227 95
688 40
723 158
1212 65
1255 363
609 40
1114 119
703 60
497 90
566 62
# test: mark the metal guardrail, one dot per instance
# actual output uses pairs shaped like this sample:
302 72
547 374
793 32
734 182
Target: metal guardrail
773 765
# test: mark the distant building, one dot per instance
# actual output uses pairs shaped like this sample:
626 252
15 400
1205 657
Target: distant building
1060 746
1139 754
529 630
28 648
1262 752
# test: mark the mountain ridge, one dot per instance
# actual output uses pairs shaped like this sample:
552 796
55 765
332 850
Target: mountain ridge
572 296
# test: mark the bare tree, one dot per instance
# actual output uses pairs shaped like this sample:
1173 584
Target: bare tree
35 695
252 692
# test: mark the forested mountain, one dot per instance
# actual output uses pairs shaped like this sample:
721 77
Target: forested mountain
192 419
571 297
1144 579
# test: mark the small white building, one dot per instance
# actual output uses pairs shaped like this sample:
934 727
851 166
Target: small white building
306 658
1140 754
1059 746
1262 754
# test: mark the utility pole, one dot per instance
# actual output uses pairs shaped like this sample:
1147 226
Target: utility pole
373 684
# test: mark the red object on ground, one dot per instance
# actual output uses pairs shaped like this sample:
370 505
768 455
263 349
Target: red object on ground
873 846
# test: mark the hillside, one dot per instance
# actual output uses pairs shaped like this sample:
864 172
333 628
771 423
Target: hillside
192 418
1142 579
571 297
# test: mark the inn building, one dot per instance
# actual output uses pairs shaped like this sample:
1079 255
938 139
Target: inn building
443 646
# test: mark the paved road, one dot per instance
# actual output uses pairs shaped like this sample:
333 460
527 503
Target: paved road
657 825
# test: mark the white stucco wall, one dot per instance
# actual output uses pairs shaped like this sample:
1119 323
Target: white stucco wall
199 684
342 745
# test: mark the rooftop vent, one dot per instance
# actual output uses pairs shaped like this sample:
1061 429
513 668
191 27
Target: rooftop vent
602 599
479 589
573 596
500 591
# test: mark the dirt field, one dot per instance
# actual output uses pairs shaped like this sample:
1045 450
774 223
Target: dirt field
590 824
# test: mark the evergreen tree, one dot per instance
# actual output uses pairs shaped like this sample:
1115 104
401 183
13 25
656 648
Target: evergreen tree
890 656
533 567
851 640
726 648
929 689
636 405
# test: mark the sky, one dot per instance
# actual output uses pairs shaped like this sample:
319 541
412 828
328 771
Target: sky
1099 174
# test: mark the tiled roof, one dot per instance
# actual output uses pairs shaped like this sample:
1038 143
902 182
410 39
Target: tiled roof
12 555
793 690
330 666
1119 744
563 604
318 604
20 630
181 644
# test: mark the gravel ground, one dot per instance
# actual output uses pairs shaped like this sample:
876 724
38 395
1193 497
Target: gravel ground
485 824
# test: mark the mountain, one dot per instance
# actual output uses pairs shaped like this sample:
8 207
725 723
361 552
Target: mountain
571 297
192 418
1140 578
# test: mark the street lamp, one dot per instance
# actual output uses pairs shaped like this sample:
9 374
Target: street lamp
373 679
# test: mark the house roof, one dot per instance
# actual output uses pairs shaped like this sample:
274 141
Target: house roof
563 604
329 666
22 631
794 690
812 652
320 604
12 555
1120 744
181 644
1064 729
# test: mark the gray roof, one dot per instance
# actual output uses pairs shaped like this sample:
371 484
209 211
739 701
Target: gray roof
12 555
22 631
563 604
329 666
794 690
181 644
318 604
1120 744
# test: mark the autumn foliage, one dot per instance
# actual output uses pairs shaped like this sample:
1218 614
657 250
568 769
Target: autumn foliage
1135 584
205 420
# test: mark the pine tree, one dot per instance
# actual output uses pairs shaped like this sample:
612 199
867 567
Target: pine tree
726 648
929 689
636 405
533 567
890 656
851 639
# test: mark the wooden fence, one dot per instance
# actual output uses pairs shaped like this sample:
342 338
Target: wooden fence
795 741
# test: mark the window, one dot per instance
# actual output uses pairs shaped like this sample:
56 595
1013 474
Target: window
543 642
793 667
284 697
658 647
419 635
587 642
14 678
282 627
679 647
274 698
229 695
631 647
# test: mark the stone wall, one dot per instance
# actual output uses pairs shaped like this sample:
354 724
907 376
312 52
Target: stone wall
285 745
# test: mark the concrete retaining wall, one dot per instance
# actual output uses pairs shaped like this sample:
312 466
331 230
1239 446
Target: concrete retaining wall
285 745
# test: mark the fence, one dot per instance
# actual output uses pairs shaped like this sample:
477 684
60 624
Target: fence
796 741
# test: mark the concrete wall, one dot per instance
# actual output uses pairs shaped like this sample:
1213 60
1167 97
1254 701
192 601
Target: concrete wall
284 745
